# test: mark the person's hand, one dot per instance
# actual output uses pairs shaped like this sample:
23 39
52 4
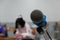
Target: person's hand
33 30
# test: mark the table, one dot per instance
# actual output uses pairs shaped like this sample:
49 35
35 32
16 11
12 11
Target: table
9 38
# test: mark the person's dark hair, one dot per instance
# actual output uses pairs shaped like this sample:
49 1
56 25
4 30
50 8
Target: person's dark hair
36 15
19 21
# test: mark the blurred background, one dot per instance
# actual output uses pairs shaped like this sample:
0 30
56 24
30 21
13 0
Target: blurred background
10 9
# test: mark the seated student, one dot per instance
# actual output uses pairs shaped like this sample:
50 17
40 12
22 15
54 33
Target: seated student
39 22
38 19
22 28
2 31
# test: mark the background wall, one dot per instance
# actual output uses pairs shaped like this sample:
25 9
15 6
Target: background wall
10 9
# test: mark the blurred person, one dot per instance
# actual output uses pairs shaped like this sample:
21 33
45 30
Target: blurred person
2 31
22 28
39 22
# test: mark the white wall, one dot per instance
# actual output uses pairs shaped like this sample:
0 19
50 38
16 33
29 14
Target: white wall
10 9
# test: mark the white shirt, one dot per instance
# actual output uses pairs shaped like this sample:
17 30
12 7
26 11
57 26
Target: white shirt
26 29
27 32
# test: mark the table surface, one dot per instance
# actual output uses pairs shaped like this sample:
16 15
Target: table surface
12 38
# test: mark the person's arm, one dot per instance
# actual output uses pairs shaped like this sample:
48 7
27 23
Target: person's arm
34 27
33 30
45 26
